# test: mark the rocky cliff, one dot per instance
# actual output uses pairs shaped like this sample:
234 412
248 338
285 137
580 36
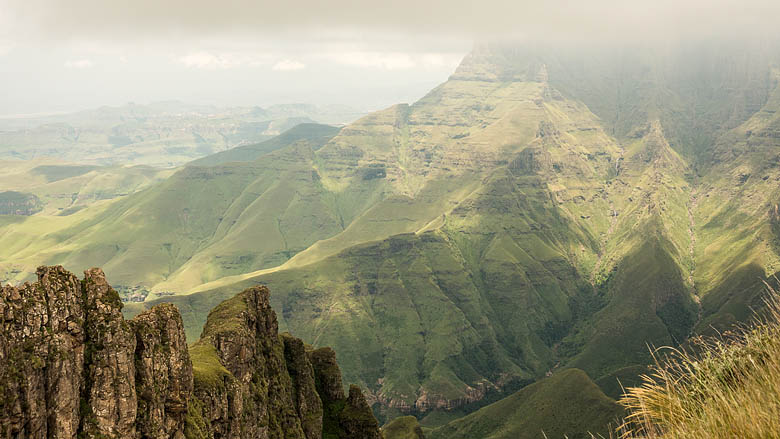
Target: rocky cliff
72 366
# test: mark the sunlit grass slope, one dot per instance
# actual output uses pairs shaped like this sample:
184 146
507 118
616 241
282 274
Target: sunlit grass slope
64 188
150 237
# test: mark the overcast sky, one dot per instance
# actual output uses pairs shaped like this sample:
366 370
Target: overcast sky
58 55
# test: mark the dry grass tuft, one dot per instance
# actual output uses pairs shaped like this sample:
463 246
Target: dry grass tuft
730 388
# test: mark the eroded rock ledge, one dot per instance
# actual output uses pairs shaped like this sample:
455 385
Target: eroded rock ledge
72 366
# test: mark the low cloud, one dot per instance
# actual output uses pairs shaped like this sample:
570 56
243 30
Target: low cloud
57 20
394 60
6 47
209 61
377 60
287 65
78 64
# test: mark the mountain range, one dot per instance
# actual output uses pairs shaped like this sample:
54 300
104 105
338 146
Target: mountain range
524 233
163 134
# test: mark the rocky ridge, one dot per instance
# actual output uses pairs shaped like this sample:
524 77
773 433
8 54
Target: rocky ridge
72 366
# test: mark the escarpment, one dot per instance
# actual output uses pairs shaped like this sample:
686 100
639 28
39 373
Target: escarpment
72 366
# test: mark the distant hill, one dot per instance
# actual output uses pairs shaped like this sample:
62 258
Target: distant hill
162 134
404 427
314 135
64 188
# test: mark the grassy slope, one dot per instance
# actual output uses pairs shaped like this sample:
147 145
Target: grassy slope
644 269
732 251
737 218
69 195
65 188
732 245
404 427
628 231
313 134
221 210
567 403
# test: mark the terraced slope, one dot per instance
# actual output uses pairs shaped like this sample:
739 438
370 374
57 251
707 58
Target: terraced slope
736 215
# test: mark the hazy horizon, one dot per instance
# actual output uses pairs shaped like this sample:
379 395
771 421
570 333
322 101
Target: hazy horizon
63 57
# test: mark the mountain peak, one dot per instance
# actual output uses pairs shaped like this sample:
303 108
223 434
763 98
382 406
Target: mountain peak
496 63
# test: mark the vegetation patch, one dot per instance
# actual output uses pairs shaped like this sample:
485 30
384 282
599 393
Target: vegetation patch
207 370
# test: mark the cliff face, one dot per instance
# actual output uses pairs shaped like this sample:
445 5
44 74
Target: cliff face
163 372
283 388
71 366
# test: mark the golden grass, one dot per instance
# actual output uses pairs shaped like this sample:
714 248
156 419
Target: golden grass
730 388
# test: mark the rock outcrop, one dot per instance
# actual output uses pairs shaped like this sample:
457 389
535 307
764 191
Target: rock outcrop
163 372
284 388
19 203
72 366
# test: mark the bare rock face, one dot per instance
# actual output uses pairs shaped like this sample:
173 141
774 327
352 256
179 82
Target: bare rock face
244 334
252 382
72 366
163 372
267 377
304 393
109 385
68 360
345 416
41 356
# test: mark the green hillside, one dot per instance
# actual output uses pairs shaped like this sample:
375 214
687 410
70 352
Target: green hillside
404 427
567 404
64 188
196 226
